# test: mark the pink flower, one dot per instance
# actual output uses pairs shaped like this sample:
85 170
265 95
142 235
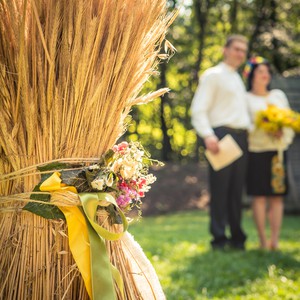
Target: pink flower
120 147
123 200
122 184
142 182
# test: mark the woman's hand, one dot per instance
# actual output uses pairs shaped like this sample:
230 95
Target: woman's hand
277 134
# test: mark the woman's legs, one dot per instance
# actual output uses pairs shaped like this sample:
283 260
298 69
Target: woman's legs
275 219
259 214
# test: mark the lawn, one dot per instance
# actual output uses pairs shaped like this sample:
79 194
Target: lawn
178 247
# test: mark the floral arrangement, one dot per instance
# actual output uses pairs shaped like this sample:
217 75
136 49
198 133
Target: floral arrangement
122 172
273 119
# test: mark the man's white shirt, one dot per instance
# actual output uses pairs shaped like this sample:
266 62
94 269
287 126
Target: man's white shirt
220 100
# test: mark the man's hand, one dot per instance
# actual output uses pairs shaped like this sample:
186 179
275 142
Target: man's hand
211 143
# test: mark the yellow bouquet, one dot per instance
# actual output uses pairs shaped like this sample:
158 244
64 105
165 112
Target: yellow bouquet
273 119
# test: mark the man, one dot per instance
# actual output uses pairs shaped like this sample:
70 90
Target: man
219 108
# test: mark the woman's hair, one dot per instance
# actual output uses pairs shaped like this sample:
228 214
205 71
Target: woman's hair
250 68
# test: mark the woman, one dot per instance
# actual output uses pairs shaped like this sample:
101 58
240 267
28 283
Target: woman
267 179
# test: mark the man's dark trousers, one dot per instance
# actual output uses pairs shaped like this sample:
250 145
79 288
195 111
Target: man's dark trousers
226 189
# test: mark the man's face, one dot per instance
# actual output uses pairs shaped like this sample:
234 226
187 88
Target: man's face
235 54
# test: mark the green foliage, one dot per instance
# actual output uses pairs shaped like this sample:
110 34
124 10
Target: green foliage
178 247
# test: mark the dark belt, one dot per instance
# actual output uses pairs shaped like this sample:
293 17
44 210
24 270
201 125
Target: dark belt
233 130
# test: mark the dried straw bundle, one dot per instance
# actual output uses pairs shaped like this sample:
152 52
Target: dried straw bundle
70 71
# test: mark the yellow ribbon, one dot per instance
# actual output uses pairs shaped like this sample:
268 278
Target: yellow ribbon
79 243
86 239
53 183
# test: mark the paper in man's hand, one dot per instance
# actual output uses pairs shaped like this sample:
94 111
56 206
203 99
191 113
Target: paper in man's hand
229 151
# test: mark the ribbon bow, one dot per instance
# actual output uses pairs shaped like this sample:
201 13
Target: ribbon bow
87 239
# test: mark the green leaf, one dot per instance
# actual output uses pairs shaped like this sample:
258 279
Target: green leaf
115 218
91 175
76 178
44 210
108 156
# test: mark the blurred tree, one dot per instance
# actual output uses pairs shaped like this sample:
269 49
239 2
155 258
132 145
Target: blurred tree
233 16
198 33
276 32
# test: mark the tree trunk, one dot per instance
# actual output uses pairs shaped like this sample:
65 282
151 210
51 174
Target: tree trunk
277 60
260 13
166 149
233 16
201 13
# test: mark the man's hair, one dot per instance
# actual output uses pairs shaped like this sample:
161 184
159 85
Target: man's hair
235 37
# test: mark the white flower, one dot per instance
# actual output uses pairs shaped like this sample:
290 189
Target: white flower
146 188
98 184
150 178
138 155
128 169
116 165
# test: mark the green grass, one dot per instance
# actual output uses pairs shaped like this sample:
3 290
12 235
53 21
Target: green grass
178 247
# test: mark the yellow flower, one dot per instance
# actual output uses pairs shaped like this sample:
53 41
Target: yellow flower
274 119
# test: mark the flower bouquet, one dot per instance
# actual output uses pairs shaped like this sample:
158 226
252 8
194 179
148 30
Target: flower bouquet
273 119
122 172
